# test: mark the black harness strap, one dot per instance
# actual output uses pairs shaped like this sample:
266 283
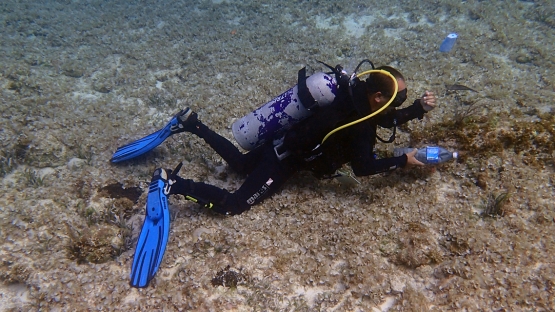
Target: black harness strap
304 94
392 137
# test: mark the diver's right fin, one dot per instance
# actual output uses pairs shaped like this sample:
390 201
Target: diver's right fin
153 239
149 142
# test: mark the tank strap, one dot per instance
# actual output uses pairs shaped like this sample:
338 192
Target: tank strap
304 94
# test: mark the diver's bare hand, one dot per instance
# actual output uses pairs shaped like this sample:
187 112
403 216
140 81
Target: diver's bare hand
411 160
428 101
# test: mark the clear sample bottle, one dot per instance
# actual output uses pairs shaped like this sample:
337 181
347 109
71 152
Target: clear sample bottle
428 154
448 43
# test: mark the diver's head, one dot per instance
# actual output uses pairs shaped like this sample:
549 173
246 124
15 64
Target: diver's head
380 89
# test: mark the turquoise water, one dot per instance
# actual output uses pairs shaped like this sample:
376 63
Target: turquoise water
80 78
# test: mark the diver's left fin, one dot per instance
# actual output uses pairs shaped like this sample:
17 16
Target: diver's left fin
150 141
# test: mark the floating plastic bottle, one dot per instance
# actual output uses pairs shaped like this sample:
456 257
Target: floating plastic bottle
428 155
448 43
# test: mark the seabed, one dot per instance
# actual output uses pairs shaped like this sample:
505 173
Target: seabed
80 78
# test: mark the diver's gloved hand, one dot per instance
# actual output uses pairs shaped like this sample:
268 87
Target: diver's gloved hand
428 101
411 159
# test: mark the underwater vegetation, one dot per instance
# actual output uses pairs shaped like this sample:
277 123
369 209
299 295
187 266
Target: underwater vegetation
11 272
97 244
13 156
32 178
414 247
495 205
228 278
7 165
80 80
485 136
106 234
117 191
159 99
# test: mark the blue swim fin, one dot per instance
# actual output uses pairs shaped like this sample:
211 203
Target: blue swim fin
149 142
154 234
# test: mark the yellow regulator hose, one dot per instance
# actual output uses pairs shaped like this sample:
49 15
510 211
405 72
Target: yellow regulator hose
368 72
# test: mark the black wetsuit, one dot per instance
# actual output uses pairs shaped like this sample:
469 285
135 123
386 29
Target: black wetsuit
266 174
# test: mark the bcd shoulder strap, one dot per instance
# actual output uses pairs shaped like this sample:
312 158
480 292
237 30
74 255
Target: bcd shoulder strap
306 98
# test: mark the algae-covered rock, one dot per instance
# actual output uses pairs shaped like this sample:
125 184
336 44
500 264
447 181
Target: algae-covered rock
73 69
46 152
76 163
97 244
524 58
102 86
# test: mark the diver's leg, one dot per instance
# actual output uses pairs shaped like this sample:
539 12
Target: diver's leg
265 180
239 162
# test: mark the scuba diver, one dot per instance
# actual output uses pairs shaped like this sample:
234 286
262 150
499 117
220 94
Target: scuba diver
335 129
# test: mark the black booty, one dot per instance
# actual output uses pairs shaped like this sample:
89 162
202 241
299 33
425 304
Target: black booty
187 121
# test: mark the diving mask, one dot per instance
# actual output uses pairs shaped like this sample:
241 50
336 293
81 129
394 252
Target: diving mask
400 98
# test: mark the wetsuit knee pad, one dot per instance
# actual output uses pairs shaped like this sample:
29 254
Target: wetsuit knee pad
232 206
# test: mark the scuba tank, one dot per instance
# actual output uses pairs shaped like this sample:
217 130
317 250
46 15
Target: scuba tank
301 101
282 112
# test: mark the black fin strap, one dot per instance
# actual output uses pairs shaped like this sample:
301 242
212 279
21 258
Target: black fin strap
175 171
304 94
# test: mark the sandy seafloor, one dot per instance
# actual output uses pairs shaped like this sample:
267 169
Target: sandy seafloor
80 78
